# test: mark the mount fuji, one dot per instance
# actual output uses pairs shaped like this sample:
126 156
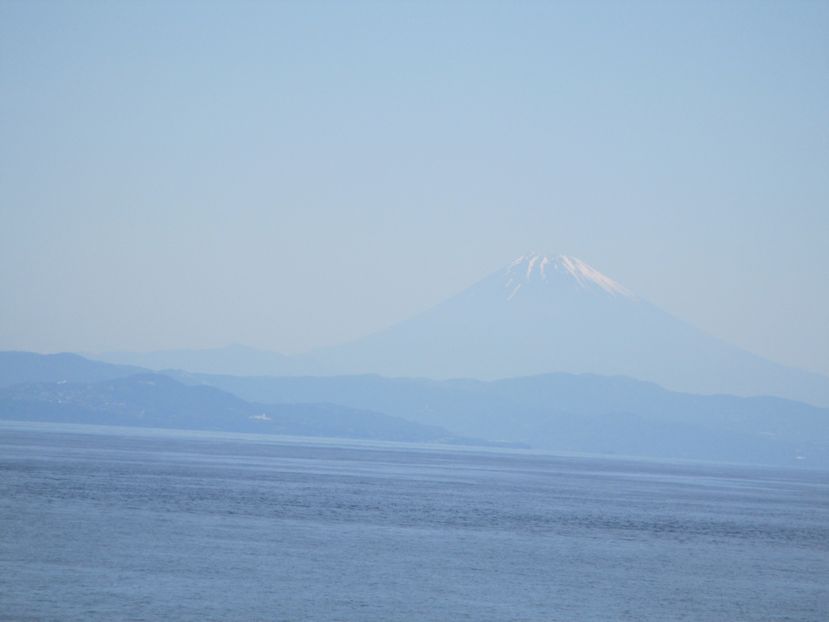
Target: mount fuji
546 314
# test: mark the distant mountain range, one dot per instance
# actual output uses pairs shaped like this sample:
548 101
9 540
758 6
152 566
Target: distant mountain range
67 388
19 367
233 359
562 412
568 412
539 315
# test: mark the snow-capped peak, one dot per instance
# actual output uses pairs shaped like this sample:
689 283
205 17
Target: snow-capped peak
534 266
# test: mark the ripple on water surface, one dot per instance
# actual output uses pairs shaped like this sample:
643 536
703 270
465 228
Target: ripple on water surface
108 524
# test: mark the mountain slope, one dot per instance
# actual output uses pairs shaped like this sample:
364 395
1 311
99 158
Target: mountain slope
563 412
152 400
234 359
569 412
548 314
17 367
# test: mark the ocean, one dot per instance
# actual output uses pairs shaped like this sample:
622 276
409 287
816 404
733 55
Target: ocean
110 524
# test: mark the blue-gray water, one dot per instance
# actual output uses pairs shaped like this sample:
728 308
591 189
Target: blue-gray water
125 525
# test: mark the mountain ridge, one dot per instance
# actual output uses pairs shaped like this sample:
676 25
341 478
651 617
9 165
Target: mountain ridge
584 413
160 401
573 412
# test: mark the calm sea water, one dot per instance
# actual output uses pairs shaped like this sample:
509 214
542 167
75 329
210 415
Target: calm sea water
112 524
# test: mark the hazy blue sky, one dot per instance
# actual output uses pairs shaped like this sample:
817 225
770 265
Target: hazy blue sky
291 175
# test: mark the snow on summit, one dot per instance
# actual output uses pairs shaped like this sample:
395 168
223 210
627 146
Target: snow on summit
536 267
